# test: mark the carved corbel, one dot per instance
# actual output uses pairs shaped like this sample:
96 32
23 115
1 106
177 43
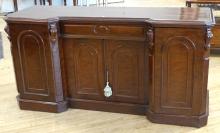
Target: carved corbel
53 32
150 40
53 35
209 36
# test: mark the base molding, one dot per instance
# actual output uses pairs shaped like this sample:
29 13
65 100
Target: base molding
128 108
182 120
108 106
43 106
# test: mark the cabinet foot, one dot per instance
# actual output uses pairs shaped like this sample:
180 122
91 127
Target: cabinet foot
192 121
43 106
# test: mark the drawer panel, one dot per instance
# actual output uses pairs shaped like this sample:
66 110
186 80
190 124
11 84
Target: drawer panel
103 30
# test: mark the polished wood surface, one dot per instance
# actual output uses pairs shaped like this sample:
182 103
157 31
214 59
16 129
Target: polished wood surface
177 88
215 42
155 66
203 15
12 119
87 79
126 67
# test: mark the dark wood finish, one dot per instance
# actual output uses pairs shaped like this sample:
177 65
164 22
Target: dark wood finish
39 76
103 30
126 67
42 106
128 108
156 67
215 41
179 78
75 2
114 14
84 68
50 2
64 2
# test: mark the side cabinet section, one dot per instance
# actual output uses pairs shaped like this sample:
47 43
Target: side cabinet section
37 66
180 72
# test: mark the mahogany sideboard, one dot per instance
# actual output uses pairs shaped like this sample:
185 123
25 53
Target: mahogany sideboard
155 60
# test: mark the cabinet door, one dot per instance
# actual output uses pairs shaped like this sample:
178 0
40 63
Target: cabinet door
126 70
84 68
180 71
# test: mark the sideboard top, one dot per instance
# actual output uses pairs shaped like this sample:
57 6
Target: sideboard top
168 14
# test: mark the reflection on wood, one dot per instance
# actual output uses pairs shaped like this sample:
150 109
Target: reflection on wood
193 14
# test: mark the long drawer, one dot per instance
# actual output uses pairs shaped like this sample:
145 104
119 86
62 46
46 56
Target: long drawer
103 30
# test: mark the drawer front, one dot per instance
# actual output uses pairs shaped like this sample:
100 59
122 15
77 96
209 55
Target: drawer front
215 42
103 30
